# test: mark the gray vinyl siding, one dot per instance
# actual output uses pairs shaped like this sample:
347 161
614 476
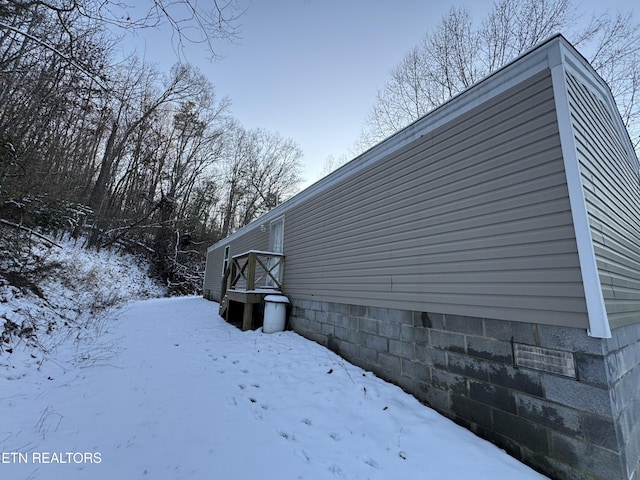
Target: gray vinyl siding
213 274
612 192
472 218
252 239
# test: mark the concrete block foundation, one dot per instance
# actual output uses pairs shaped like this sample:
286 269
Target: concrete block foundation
583 424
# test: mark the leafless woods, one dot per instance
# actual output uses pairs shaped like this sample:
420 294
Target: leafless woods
131 155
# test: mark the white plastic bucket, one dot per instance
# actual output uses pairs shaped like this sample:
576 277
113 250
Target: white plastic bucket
275 313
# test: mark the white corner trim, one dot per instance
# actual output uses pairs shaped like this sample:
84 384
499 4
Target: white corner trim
596 311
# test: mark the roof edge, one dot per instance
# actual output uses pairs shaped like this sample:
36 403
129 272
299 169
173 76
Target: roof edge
517 70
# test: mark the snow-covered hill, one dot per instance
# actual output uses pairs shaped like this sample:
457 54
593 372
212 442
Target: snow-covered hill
58 292
166 389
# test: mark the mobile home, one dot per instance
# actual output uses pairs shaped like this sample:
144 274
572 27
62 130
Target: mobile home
486 259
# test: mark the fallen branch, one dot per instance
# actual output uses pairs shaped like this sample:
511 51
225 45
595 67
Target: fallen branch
32 232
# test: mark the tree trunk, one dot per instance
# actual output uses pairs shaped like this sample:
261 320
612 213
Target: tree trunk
100 187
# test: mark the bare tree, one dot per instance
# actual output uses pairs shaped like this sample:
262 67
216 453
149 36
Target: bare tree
514 26
613 46
332 163
48 104
272 175
190 20
138 101
457 54
261 170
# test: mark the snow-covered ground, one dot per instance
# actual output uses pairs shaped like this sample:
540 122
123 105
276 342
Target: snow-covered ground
169 390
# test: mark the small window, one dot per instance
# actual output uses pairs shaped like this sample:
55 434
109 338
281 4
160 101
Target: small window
225 260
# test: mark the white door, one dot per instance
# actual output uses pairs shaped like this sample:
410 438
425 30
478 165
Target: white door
276 245
276 235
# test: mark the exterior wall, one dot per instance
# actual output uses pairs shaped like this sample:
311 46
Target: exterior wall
471 218
611 184
507 217
254 239
464 368
213 275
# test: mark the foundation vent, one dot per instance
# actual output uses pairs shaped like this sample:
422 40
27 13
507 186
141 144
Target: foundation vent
544 359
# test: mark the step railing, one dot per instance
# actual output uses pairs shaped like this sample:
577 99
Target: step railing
248 278
254 270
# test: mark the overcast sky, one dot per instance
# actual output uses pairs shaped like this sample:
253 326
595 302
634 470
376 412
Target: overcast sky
310 69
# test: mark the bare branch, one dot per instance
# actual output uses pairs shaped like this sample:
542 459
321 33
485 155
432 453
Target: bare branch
456 54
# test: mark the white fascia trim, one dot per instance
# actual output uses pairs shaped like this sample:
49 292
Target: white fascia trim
596 311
